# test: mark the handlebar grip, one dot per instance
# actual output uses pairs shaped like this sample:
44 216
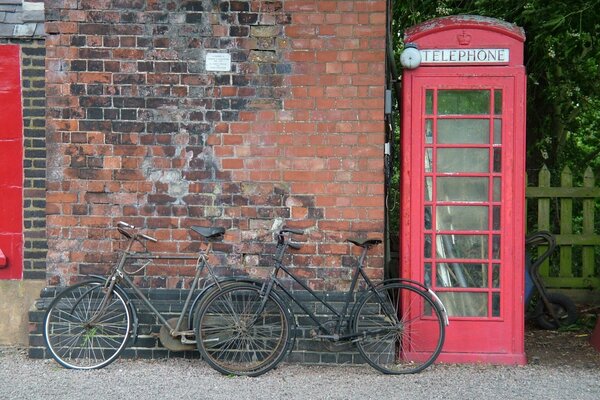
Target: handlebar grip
150 238
294 246
125 224
294 231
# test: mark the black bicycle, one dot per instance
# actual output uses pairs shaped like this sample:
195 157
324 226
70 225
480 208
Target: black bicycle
245 328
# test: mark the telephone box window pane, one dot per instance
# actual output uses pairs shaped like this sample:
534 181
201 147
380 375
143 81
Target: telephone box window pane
496 247
497 131
462 218
497 189
428 217
428 131
498 102
461 304
428 160
429 101
462 275
452 102
462 246
471 131
495 304
428 188
496 276
497 160
427 279
427 246
496 218
463 160
462 189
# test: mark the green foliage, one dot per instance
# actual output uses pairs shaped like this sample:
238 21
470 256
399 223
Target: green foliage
562 56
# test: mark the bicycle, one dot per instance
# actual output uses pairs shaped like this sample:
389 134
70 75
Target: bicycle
88 325
245 328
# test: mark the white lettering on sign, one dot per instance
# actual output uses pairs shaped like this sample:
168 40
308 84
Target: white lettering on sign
219 62
465 56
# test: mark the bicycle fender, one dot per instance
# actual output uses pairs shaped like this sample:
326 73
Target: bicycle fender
134 314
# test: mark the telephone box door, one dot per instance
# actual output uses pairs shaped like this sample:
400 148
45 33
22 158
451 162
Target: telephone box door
467 152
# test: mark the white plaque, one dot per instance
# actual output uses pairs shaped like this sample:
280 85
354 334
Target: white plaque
465 56
219 62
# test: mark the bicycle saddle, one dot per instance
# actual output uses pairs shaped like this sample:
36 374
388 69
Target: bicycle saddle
208 232
364 242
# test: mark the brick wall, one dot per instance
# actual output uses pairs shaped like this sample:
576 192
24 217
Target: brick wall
34 151
138 130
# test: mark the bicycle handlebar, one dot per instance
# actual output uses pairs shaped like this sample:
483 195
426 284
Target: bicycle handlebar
122 224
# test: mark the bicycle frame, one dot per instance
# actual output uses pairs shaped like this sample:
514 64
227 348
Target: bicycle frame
332 334
119 275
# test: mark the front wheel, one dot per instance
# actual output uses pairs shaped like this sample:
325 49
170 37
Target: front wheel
240 332
85 329
401 330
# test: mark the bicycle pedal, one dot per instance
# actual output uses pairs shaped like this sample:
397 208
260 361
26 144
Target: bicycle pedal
185 340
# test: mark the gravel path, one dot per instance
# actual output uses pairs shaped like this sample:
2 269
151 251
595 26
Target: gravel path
23 378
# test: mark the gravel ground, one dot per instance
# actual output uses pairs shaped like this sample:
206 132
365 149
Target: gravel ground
24 378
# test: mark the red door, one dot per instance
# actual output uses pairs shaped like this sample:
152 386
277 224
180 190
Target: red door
11 164
462 228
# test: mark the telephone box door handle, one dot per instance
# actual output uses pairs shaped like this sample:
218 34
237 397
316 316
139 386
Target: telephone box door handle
2 259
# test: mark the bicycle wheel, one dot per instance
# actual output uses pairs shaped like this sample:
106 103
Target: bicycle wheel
402 329
240 332
80 333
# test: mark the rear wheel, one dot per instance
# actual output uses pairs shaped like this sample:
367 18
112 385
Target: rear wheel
402 329
240 332
80 332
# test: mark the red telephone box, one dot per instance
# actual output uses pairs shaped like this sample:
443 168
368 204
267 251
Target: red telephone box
463 182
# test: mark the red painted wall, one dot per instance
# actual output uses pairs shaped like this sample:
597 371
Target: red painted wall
11 164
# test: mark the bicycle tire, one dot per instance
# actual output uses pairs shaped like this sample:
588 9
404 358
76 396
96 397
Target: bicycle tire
237 335
563 307
74 341
401 329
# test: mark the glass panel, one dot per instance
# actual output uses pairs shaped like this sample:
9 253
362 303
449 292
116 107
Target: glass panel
428 160
427 217
462 189
496 247
496 276
460 304
497 131
497 189
427 279
496 218
462 218
462 246
463 160
429 101
427 246
497 160
429 131
461 275
498 102
463 102
428 188
495 304
452 131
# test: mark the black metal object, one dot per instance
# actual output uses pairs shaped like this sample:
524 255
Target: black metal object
560 308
